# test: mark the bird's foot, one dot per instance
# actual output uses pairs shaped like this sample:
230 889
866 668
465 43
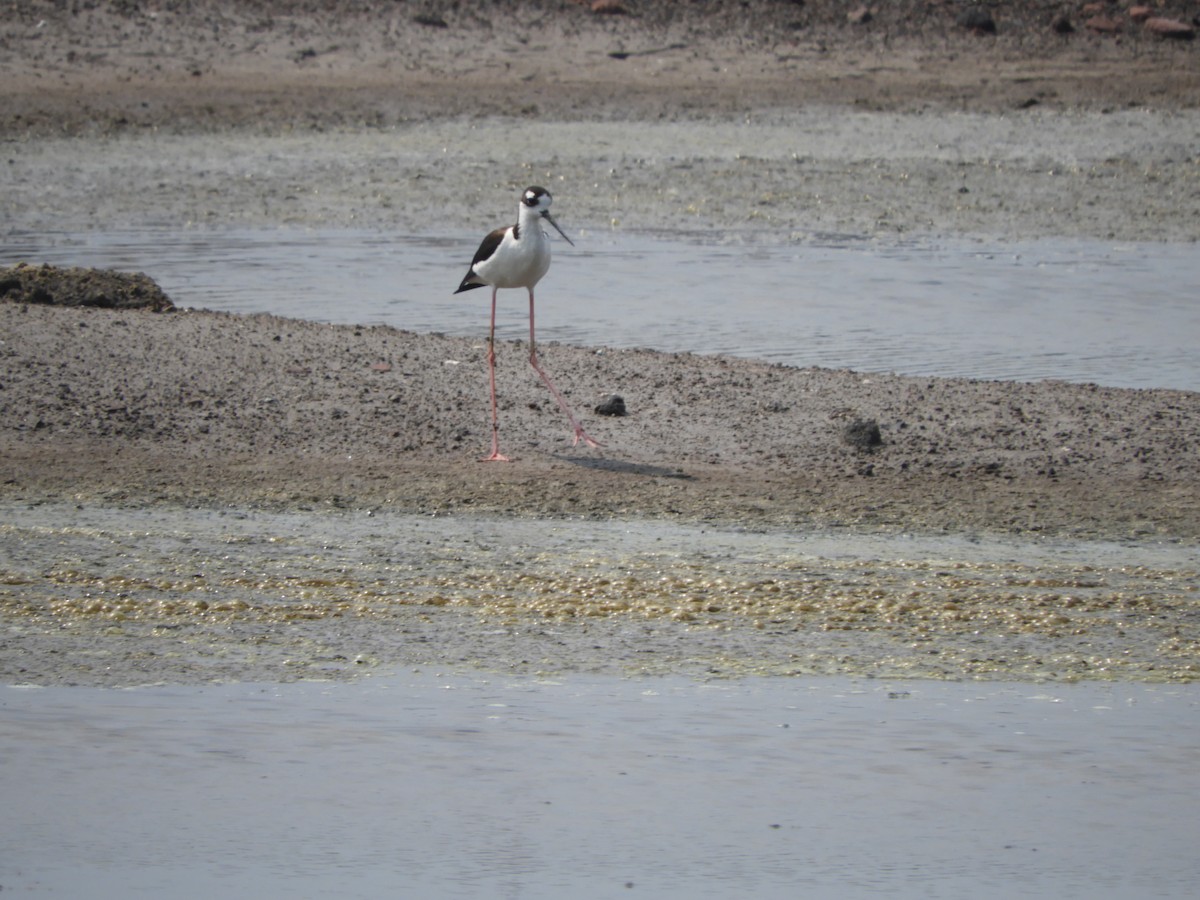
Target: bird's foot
496 456
581 435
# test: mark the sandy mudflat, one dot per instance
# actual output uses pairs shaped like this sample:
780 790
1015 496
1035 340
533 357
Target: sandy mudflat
774 119
767 125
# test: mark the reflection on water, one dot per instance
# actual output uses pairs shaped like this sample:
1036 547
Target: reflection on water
440 785
1124 316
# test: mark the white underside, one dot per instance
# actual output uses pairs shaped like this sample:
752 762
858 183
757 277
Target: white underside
515 263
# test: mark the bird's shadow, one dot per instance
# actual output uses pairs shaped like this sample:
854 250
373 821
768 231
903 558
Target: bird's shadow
622 467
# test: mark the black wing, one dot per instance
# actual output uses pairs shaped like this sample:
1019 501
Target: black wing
485 251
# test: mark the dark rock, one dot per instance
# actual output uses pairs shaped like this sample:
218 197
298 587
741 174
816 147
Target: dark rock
612 405
430 20
977 20
863 434
1061 24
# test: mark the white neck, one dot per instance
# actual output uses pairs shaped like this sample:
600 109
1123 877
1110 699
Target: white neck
531 223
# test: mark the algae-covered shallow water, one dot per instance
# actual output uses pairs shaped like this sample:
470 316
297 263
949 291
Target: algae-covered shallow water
142 595
433 784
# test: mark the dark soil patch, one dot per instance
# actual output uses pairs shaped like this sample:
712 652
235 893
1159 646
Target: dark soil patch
102 288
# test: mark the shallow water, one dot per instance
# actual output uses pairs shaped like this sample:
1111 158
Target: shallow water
1118 315
443 785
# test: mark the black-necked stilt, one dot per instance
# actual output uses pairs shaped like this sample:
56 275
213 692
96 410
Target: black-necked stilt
515 257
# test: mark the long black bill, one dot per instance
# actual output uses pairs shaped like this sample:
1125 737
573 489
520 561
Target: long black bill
547 217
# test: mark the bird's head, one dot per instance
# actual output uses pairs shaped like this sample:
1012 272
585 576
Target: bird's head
538 200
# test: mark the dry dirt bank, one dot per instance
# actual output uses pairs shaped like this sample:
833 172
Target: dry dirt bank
195 66
191 406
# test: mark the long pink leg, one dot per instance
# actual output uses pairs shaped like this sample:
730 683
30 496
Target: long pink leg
496 455
580 434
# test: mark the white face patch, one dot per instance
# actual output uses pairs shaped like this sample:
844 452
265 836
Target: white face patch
535 196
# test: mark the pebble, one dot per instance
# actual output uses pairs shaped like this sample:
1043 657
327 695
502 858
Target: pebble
612 405
1169 28
860 15
1104 25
